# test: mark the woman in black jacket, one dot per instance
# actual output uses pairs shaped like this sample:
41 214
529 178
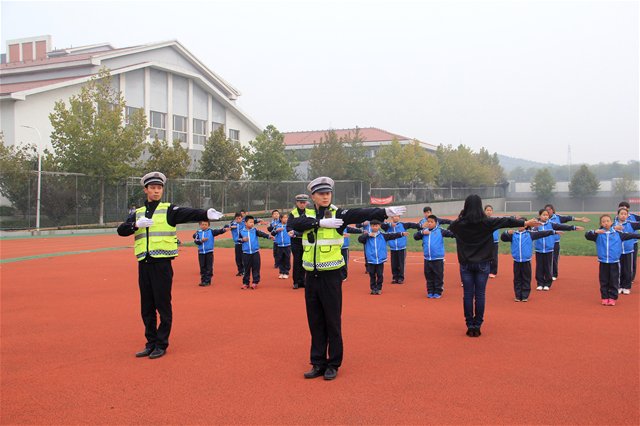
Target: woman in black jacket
474 240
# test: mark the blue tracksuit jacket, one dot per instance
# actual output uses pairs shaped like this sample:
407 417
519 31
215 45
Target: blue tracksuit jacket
609 244
433 244
375 246
522 243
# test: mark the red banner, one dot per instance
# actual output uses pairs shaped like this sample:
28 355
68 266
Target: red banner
381 201
634 200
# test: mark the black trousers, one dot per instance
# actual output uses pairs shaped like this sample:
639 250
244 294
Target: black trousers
298 270
282 256
556 258
544 269
493 265
522 279
238 251
206 267
434 274
609 280
626 270
251 265
376 276
635 262
323 299
155 280
398 258
345 268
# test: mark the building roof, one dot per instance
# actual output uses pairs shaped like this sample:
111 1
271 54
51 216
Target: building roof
368 134
6 89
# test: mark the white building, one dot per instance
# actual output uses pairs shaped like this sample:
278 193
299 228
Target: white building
181 97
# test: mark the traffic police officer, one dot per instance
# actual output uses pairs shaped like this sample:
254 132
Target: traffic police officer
300 210
156 244
322 228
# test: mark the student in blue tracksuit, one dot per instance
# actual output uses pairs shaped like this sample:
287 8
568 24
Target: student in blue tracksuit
375 246
428 212
345 248
522 251
556 218
237 225
622 224
632 218
282 245
609 247
365 227
433 249
398 247
204 240
544 249
275 221
251 252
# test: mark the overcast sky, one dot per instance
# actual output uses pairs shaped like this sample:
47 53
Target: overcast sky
521 78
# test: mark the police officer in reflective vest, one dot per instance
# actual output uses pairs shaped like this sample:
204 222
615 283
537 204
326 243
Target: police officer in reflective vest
322 259
155 245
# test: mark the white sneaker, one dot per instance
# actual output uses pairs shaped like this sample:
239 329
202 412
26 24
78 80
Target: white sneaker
554 278
280 276
285 276
626 291
546 288
539 288
619 291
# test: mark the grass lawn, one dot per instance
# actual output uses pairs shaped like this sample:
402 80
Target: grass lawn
571 244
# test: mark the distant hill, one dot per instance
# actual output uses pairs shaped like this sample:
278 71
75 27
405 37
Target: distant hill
510 163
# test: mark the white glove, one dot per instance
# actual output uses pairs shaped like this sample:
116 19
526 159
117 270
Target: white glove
144 222
331 223
395 211
214 214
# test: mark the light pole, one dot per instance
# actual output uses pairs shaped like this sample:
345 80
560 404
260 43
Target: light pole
39 173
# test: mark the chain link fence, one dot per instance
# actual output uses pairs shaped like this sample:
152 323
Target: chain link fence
73 200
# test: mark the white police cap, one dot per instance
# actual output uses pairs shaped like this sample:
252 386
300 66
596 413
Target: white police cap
156 178
302 197
321 184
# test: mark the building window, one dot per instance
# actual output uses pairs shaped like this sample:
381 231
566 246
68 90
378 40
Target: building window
180 128
199 131
234 135
128 112
215 126
158 124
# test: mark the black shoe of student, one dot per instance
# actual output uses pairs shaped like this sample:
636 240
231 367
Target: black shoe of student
470 332
330 373
295 286
400 282
207 284
314 372
478 333
157 353
394 281
239 274
143 353
202 284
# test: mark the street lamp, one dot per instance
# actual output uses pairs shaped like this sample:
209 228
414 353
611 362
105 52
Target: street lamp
39 173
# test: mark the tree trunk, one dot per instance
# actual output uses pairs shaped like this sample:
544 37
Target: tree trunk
101 219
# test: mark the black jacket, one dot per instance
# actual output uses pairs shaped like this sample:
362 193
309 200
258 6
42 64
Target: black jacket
474 241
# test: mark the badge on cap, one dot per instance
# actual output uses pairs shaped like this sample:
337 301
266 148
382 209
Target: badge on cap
156 178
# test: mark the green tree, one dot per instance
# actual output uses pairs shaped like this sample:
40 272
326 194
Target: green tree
328 158
461 167
390 163
625 186
543 185
15 166
221 158
583 184
173 160
266 159
421 167
90 136
358 165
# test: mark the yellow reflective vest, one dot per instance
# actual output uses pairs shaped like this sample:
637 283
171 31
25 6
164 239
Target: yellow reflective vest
322 247
160 239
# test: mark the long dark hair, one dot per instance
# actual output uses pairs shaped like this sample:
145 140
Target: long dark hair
472 211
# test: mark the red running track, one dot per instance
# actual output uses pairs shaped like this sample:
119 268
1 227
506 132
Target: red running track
70 327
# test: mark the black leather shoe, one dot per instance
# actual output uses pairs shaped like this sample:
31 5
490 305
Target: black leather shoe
470 332
478 333
157 353
295 286
330 373
314 372
239 274
144 352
